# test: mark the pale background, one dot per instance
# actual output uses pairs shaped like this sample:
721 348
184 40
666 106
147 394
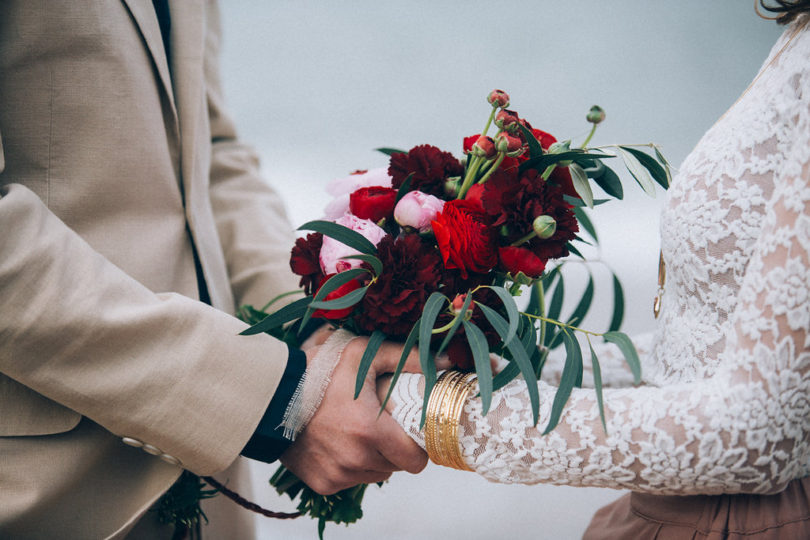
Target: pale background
316 86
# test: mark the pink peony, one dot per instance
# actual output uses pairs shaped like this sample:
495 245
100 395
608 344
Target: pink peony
341 188
417 210
332 250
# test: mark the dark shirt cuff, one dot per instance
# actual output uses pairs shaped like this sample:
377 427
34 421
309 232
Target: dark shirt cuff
268 441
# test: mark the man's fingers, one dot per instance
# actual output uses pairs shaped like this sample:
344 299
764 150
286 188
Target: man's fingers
398 447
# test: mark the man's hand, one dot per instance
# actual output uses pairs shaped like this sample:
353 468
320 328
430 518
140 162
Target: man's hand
346 443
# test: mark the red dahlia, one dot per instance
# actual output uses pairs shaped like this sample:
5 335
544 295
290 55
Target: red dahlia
394 302
304 261
430 167
515 201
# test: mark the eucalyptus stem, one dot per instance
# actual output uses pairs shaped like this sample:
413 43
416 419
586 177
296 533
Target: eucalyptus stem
563 325
523 239
541 303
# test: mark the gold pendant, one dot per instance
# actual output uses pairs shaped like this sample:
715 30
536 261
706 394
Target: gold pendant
662 278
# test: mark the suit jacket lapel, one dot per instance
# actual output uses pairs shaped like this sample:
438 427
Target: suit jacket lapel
143 13
187 46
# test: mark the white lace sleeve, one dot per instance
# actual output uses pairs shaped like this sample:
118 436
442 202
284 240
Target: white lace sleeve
743 429
725 404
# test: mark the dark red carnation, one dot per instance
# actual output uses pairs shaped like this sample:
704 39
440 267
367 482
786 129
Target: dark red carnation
374 203
465 237
513 202
430 168
518 259
394 301
343 290
304 261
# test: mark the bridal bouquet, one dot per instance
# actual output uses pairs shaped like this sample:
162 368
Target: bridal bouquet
433 250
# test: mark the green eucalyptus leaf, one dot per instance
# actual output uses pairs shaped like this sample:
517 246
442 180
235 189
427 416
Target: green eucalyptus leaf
572 371
372 347
610 183
390 151
483 369
410 341
581 184
629 352
347 300
535 150
656 170
404 188
597 384
574 250
374 262
665 164
290 312
342 234
555 307
639 172
577 202
511 311
579 312
435 302
330 285
534 307
520 363
586 222
456 324
541 162
522 359
618 305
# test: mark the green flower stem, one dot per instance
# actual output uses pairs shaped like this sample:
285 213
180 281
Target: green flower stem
523 240
588 138
469 178
564 325
548 171
494 167
489 121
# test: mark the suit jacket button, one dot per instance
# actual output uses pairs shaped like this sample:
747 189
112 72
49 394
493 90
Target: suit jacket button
132 442
149 449
171 460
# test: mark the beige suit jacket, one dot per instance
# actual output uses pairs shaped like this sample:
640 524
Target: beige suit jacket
114 160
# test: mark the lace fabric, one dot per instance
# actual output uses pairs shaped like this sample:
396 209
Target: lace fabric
725 402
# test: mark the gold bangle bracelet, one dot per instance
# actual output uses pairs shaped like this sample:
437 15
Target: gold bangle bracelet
445 405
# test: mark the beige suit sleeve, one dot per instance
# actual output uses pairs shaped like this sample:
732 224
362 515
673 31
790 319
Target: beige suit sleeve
160 368
251 220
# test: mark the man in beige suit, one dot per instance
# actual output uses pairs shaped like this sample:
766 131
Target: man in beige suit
125 200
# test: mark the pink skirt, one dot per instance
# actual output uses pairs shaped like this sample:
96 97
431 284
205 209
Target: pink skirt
784 515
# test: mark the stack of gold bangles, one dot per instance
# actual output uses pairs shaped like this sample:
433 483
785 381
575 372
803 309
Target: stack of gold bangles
444 409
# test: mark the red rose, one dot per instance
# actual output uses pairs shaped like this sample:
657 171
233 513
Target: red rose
465 238
305 263
517 259
343 290
374 203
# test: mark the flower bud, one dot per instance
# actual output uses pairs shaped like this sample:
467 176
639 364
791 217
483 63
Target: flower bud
595 115
458 303
417 210
484 147
451 187
559 148
544 226
507 120
507 143
498 98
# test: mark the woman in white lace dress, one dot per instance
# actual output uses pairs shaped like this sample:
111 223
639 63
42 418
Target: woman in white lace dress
722 419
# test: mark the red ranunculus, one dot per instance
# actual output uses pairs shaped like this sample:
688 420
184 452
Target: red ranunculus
517 259
373 203
429 166
465 237
343 290
305 263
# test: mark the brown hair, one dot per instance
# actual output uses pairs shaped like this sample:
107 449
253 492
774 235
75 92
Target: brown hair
786 10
